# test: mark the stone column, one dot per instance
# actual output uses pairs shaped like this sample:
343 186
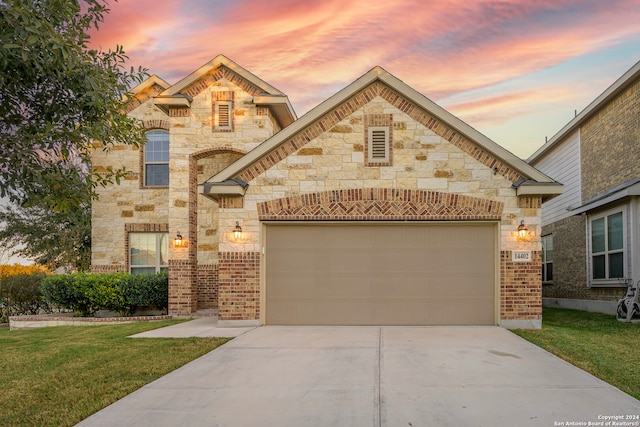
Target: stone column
183 296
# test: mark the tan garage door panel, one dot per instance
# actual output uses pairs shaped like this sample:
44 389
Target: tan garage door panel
380 274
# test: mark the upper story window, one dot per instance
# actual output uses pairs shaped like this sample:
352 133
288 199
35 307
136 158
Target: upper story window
607 248
547 258
156 159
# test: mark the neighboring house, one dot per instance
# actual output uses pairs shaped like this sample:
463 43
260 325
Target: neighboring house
376 207
591 233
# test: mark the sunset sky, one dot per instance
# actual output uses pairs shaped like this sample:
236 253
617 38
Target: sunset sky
516 70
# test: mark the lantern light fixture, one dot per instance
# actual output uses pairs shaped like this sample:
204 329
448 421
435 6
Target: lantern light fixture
178 240
522 230
237 231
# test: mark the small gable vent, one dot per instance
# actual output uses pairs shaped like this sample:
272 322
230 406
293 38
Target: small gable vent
223 115
224 118
378 144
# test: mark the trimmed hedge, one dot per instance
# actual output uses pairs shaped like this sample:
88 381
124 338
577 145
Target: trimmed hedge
87 293
20 294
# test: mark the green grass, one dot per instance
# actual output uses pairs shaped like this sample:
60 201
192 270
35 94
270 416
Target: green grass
59 376
594 342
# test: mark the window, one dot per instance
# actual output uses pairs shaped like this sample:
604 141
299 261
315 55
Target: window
547 258
223 115
607 246
156 159
148 252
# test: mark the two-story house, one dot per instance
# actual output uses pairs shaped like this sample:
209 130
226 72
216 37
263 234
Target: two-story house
375 207
591 233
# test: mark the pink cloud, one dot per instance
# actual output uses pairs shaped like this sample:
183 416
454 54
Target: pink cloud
310 50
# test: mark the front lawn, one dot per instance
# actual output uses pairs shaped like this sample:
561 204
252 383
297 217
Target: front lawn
595 342
59 376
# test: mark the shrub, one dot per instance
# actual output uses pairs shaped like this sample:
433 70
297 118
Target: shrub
70 291
147 290
20 294
86 293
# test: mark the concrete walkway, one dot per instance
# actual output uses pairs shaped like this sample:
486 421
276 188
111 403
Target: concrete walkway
201 327
372 376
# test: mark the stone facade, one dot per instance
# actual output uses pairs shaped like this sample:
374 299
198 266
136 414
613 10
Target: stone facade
322 172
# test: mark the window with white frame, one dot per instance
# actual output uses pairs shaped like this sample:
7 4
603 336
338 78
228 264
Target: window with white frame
547 258
607 236
156 159
148 252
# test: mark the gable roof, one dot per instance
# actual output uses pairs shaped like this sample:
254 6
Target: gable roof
266 95
529 177
604 98
149 82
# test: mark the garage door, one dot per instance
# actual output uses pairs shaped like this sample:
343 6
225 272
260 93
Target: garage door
380 273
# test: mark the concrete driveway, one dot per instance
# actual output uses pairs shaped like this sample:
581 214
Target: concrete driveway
373 376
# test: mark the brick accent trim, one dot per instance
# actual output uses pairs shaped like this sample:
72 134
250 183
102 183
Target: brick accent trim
222 72
140 228
231 202
530 202
156 124
207 286
182 293
520 287
239 286
380 204
111 268
179 112
142 97
333 117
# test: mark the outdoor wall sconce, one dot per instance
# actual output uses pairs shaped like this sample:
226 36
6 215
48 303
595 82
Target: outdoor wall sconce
237 231
177 242
522 230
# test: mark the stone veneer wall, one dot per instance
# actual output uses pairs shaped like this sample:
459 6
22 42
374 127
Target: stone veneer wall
436 174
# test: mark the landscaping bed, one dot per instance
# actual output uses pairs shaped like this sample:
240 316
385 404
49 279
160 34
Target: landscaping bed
68 319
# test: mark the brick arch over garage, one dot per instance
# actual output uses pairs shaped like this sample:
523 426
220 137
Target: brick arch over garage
376 204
